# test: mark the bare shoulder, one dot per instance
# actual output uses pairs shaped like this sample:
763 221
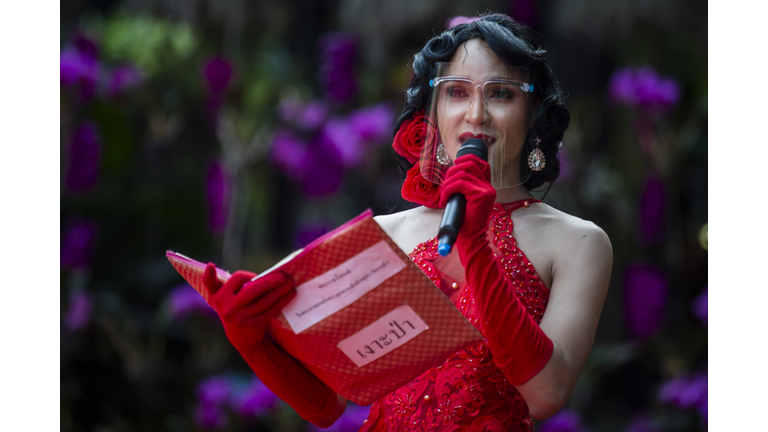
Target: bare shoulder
411 227
574 242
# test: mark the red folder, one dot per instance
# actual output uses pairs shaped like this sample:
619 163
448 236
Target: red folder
317 346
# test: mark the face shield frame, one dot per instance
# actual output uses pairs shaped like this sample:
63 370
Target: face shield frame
494 104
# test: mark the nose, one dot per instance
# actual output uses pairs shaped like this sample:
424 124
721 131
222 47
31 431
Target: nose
476 112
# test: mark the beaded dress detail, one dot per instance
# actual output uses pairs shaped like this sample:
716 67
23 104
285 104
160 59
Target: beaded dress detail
467 392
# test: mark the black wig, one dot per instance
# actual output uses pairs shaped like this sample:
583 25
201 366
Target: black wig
517 45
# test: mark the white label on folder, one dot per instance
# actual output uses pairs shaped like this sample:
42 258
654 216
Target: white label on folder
383 336
330 292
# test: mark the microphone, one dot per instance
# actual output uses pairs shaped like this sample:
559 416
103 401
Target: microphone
454 210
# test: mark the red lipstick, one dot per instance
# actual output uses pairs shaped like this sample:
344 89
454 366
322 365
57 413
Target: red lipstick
487 139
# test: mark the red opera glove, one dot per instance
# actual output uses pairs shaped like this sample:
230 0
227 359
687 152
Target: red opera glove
519 346
245 308
470 176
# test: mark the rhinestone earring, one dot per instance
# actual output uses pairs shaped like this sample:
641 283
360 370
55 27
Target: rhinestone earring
536 160
442 155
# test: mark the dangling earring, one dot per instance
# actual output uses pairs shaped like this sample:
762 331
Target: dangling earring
536 160
442 155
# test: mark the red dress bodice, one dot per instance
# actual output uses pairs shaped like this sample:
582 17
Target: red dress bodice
467 392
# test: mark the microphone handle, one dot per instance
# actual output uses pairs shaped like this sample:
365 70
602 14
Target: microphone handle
453 217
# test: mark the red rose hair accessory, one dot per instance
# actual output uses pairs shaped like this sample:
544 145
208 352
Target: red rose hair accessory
419 190
409 142
413 134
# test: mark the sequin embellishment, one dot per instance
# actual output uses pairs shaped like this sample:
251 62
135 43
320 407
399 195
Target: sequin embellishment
466 391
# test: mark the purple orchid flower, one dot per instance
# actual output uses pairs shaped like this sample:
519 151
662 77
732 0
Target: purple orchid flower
337 53
687 391
453 22
321 167
642 424
645 297
215 390
122 79
83 159
254 401
308 232
79 312
317 165
308 116
373 124
217 190
77 243
643 87
218 74
700 306
351 421
210 416
565 420
367 126
79 67
652 207
566 169
183 301
338 133
286 153
524 11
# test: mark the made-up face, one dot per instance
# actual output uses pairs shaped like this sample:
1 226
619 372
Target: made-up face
477 95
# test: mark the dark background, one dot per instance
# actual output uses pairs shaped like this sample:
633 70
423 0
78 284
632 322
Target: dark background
157 154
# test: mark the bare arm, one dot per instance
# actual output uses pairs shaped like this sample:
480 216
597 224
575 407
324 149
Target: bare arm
581 274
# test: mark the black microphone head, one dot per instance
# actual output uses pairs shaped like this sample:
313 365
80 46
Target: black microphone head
474 146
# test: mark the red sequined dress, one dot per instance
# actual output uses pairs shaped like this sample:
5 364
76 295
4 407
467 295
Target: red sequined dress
467 392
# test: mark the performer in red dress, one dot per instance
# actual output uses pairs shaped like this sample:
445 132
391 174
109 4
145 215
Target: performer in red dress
537 310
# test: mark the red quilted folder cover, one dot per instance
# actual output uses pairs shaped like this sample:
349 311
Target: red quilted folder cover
316 347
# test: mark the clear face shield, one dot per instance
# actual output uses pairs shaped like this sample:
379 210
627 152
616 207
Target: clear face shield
494 104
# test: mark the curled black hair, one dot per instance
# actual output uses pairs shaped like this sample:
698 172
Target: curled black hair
517 45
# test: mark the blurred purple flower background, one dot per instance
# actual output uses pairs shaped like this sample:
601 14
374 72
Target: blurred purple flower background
217 73
210 416
183 300
566 420
645 298
307 232
214 390
212 395
642 424
217 191
700 306
254 400
77 243
322 167
287 153
524 11
337 143
652 206
122 79
566 170
373 124
83 158
310 115
79 67
643 87
453 22
220 394
687 391
350 421
79 312
337 68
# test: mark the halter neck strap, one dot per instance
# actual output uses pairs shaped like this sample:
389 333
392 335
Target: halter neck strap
510 207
